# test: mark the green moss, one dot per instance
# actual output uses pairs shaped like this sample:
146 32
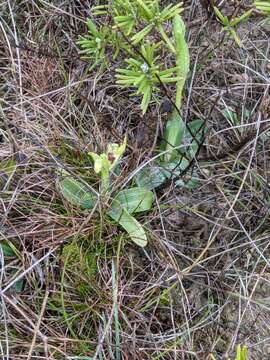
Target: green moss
81 262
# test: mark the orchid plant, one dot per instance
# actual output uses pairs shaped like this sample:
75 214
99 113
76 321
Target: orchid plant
121 204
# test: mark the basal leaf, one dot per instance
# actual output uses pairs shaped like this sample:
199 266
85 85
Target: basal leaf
133 200
150 177
195 127
193 183
194 136
130 224
173 136
75 192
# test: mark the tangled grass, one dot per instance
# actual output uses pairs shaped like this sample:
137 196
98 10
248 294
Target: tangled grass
73 286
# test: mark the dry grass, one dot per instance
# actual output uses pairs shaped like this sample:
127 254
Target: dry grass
202 285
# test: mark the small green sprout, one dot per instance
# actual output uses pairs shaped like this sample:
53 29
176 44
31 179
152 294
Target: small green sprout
230 25
241 353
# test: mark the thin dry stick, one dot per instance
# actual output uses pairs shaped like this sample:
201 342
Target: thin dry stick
36 329
22 313
233 341
17 49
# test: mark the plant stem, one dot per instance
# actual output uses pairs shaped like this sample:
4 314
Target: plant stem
105 180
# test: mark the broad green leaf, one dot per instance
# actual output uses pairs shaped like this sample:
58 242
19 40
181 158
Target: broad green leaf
10 253
133 200
75 192
174 168
150 177
130 224
193 183
19 284
194 136
195 126
173 136
182 57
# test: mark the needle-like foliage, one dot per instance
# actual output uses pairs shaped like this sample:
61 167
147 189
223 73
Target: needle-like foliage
134 23
145 74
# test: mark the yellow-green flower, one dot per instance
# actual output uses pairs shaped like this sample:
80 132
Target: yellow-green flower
108 160
105 162
100 162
